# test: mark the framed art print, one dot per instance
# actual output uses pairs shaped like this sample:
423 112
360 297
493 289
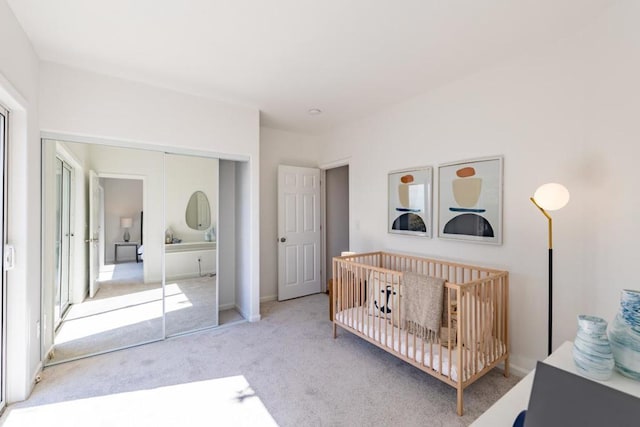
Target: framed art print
410 205
470 200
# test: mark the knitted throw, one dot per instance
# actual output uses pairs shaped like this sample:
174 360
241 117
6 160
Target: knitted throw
421 305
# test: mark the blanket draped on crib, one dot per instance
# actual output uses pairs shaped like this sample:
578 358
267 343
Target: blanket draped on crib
421 305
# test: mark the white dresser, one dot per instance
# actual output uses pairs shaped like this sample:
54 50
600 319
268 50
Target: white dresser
505 410
190 259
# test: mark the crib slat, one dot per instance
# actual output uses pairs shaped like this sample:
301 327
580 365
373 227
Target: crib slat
476 338
495 334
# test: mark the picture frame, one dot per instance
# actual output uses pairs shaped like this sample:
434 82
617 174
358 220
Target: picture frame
470 200
410 206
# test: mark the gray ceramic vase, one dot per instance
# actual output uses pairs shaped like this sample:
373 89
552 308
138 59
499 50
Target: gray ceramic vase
624 335
591 350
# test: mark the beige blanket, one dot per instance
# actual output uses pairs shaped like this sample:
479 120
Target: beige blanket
421 305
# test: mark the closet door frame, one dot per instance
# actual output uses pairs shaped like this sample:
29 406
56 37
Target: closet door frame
4 143
48 137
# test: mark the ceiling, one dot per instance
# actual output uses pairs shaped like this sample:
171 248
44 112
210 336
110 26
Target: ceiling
348 58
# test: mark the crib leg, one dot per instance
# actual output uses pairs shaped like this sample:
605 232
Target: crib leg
460 411
506 367
335 331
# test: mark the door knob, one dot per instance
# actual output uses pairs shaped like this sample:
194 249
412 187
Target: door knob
283 239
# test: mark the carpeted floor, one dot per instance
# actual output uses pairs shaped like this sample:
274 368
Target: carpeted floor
295 374
125 311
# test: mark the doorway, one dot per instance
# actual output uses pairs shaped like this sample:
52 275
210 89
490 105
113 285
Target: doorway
336 215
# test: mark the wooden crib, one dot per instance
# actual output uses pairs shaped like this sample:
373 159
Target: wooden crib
474 337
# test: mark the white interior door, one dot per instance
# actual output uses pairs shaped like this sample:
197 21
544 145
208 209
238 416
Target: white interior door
95 200
298 231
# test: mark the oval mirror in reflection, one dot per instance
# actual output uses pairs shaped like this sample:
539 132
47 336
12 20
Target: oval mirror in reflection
198 213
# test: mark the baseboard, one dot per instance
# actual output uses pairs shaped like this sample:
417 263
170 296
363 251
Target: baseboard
521 365
514 369
120 260
227 306
269 298
194 275
255 318
241 311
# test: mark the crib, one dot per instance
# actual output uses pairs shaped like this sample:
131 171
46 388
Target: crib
474 334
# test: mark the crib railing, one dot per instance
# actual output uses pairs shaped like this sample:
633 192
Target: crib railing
474 336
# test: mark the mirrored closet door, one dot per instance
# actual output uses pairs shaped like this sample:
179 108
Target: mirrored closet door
130 247
102 248
190 250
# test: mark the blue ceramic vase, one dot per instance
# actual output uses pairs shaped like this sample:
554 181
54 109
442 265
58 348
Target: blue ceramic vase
624 335
591 350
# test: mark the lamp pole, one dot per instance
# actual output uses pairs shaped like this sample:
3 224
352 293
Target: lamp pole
550 308
550 197
546 214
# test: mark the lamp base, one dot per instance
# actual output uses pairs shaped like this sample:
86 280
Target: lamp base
126 236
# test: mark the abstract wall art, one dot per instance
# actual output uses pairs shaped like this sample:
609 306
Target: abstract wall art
470 200
410 201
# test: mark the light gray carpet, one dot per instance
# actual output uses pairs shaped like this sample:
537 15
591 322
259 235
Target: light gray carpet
293 366
191 304
126 312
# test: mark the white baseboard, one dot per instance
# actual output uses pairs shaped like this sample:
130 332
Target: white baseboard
241 311
268 298
227 306
255 318
193 275
518 370
121 260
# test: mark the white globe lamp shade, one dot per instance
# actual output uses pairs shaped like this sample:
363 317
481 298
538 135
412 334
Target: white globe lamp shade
552 196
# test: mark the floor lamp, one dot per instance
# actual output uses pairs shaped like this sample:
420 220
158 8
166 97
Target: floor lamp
550 197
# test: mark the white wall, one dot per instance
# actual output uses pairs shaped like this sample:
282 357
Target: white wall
244 294
76 155
19 93
286 148
48 263
566 113
122 198
95 107
226 235
337 215
186 175
79 102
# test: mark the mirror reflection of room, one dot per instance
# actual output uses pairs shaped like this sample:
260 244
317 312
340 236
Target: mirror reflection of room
104 239
191 280
101 290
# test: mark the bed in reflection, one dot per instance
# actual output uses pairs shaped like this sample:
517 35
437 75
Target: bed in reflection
141 247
